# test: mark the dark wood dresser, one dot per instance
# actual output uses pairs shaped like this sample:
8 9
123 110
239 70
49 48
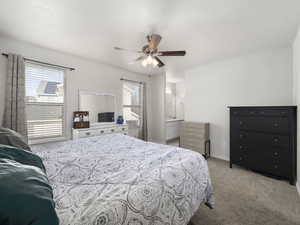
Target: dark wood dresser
263 139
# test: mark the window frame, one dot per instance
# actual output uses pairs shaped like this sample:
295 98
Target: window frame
63 137
140 106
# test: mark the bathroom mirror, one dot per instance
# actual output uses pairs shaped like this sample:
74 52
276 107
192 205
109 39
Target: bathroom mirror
101 106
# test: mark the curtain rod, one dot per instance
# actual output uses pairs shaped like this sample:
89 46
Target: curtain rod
44 63
133 81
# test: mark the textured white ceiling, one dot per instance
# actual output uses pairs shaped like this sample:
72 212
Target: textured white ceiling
207 29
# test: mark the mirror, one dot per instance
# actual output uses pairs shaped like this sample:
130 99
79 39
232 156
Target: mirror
101 106
170 100
174 100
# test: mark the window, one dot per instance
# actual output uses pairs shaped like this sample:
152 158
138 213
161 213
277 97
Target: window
132 103
44 102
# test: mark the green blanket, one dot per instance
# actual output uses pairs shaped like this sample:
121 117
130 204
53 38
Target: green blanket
26 197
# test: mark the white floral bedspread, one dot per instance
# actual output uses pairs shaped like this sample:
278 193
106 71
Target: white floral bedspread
115 179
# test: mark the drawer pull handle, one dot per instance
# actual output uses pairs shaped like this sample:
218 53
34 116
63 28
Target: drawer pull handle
275 153
112 130
275 124
275 139
88 133
123 128
102 131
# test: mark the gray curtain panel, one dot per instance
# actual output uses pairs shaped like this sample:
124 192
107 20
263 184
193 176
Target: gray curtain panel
14 112
144 127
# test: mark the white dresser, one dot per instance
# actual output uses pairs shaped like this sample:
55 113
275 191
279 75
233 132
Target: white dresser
100 129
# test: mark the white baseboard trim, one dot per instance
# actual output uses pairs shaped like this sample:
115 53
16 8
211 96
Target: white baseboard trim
298 187
157 141
220 157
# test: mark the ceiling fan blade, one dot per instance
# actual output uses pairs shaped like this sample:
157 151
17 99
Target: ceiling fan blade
141 58
124 49
171 53
154 40
160 63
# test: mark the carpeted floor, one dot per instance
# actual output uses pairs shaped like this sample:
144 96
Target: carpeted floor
247 198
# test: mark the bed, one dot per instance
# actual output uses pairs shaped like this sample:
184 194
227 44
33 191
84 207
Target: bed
116 179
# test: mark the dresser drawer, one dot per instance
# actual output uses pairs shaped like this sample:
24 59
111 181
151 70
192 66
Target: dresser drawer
194 125
192 141
192 146
122 129
239 156
260 112
276 168
194 129
89 133
193 134
102 131
279 167
273 161
252 139
264 124
272 112
111 130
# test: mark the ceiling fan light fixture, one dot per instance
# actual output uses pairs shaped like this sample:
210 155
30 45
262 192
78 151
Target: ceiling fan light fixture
150 53
149 59
144 63
154 63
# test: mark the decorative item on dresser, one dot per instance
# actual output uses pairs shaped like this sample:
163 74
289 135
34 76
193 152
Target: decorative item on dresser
81 119
100 129
195 136
264 139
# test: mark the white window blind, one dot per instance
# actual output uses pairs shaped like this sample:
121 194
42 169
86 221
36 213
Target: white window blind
44 101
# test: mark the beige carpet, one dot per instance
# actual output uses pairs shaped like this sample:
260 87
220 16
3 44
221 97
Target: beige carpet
247 198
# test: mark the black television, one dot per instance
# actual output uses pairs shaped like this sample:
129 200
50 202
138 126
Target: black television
106 117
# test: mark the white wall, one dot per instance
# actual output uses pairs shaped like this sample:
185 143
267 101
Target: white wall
157 88
263 78
89 75
296 82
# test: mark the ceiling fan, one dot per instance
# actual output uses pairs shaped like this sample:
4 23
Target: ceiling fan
150 53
